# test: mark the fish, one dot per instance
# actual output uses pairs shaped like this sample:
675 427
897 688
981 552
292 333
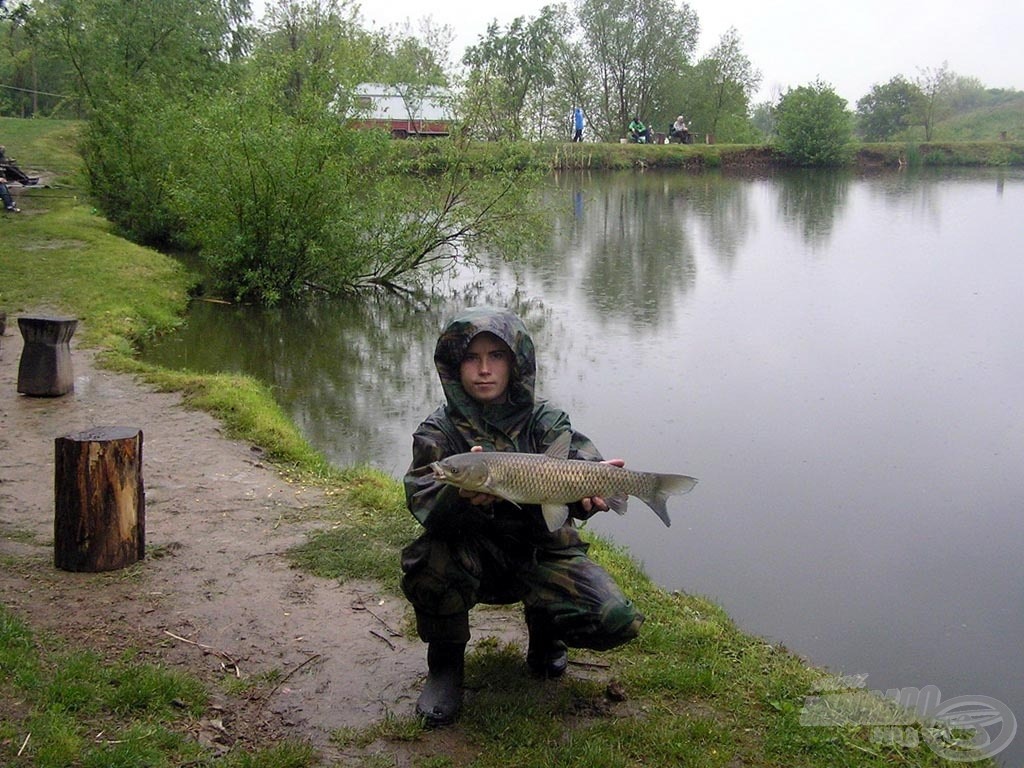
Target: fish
553 480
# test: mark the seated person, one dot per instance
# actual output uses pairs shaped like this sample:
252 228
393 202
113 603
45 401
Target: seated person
5 196
11 172
679 130
638 132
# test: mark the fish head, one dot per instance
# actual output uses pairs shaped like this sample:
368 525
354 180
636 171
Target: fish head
468 471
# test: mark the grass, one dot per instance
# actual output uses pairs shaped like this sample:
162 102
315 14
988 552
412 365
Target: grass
70 707
692 690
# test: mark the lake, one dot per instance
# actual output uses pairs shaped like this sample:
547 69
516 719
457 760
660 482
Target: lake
838 358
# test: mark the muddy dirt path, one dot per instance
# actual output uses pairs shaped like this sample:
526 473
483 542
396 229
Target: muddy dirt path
215 594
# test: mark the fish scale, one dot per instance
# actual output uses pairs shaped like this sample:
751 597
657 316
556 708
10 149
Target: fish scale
536 479
552 480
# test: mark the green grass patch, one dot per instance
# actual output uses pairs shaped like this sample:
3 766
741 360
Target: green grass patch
43 145
60 257
367 525
74 708
64 708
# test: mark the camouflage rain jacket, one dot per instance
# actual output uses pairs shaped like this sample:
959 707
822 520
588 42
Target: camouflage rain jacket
521 424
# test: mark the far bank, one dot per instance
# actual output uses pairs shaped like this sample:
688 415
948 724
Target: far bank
699 157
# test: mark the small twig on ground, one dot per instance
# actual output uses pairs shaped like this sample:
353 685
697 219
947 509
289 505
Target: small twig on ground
24 744
360 605
284 680
232 665
378 635
590 664
98 738
254 555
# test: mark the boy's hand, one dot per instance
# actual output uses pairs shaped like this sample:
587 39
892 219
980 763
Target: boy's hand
596 503
474 498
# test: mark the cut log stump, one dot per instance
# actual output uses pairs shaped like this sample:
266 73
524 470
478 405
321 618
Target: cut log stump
100 501
45 367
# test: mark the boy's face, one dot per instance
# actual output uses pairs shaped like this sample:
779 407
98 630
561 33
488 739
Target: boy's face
485 369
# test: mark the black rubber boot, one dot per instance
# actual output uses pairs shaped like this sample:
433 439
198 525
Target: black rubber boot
441 699
546 656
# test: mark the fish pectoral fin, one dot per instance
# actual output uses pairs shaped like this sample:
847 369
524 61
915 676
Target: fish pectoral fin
560 448
489 488
555 515
618 503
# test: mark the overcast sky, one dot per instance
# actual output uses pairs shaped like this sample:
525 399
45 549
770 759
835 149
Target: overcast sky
851 45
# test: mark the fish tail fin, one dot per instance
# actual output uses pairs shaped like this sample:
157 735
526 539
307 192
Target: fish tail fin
665 486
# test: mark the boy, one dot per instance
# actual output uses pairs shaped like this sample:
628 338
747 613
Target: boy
480 549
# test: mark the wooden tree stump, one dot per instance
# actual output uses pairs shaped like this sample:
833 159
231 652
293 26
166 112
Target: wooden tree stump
100 519
45 367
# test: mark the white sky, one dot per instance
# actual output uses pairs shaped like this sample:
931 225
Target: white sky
851 45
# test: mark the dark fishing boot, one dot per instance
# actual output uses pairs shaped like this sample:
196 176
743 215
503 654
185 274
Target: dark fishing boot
441 699
546 656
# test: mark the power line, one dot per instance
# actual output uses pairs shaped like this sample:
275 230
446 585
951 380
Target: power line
38 93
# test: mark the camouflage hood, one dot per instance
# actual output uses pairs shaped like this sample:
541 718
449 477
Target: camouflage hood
496 426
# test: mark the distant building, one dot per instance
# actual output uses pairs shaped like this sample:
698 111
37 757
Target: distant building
424 113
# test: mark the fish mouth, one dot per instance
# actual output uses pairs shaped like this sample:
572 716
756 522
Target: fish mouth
438 470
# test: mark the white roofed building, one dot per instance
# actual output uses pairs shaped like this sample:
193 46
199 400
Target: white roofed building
415 111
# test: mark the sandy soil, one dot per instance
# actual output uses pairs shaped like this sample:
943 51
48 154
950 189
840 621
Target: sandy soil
215 595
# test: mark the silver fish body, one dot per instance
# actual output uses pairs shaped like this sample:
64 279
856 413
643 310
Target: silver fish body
553 481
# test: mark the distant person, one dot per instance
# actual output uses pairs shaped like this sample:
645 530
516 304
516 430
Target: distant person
577 124
638 132
680 131
12 172
5 196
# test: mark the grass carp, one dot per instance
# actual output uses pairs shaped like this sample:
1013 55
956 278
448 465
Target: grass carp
553 480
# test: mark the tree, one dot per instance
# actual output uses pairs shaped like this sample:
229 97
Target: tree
413 65
511 76
936 86
18 72
282 196
575 87
763 119
726 80
322 49
813 125
887 109
967 93
138 66
634 48
34 68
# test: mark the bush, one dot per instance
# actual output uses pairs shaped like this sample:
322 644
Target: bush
814 127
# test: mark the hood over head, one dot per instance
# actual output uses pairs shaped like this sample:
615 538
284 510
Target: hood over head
477 422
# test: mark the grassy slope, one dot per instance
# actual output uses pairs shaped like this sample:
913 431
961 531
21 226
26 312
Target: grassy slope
986 124
701 692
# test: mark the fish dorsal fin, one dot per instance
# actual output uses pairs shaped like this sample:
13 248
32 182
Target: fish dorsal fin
560 448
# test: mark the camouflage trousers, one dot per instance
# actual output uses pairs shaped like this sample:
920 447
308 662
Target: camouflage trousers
565 594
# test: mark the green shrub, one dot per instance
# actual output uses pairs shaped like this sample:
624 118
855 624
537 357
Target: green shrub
814 127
